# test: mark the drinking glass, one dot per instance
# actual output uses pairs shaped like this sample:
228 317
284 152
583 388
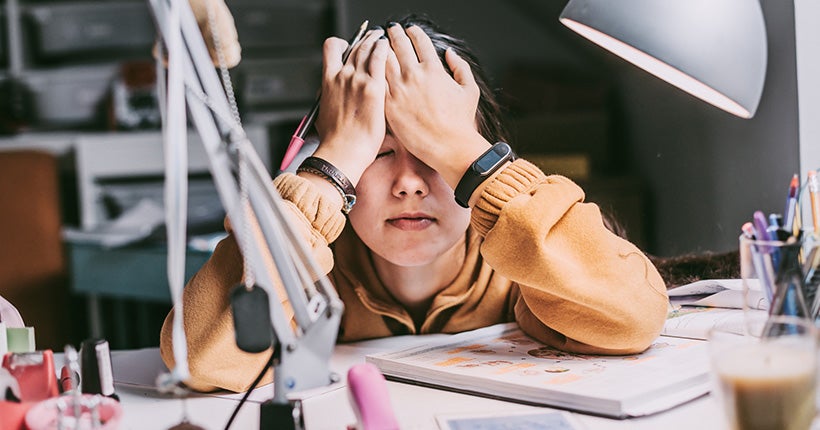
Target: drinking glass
766 375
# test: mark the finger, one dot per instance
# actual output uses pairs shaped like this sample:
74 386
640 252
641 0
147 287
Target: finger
332 56
392 69
460 67
378 58
361 52
425 51
401 45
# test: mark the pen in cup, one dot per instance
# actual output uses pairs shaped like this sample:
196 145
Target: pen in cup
814 188
765 258
791 205
298 138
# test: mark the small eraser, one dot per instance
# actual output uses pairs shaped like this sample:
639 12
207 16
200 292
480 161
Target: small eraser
20 339
370 400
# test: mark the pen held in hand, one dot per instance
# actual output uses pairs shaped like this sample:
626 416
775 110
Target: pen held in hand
298 138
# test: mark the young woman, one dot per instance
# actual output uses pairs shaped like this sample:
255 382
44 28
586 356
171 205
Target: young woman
403 120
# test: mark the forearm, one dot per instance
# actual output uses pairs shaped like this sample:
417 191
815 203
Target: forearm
582 287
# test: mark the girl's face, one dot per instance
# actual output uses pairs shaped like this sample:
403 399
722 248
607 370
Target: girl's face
405 212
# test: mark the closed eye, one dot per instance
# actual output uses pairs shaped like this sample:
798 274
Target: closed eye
385 153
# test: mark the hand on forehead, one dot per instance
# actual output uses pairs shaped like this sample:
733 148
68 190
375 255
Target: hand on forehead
412 46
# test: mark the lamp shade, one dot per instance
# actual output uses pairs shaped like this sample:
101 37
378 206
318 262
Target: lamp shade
713 49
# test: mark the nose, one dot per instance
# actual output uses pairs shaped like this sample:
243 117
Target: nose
410 176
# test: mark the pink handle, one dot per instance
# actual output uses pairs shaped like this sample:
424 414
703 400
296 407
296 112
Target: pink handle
293 148
371 401
296 142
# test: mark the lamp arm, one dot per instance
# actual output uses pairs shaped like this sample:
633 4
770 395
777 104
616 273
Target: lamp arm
305 347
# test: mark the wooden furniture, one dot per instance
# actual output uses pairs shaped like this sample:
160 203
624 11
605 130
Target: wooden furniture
33 272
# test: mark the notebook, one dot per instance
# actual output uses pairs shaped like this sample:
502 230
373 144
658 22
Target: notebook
502 362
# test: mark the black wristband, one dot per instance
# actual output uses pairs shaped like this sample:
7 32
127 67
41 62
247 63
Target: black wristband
322 168
481 169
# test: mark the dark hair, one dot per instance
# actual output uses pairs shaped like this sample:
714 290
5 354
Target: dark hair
488 114
687 268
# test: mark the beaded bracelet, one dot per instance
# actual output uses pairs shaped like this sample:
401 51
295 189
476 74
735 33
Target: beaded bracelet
322 168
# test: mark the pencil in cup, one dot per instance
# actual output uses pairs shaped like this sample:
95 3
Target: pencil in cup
814 190
298 138
773 275
811 268
756 270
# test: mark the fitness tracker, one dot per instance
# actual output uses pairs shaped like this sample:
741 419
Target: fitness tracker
481 169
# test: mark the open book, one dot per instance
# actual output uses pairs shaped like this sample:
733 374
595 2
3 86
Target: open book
501 361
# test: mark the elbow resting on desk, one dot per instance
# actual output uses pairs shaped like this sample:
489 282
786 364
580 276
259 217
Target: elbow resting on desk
631 335
221 366
625 321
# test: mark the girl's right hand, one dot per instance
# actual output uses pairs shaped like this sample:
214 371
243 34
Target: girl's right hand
351 120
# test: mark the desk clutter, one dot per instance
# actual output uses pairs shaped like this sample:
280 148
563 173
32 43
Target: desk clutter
34 399
763 353
765 365
782 257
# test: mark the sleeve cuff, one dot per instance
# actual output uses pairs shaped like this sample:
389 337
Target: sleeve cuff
519 177
324 215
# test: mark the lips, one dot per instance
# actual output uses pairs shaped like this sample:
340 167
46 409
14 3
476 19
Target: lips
411 221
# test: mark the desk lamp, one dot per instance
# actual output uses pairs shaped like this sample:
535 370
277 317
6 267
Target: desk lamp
714 50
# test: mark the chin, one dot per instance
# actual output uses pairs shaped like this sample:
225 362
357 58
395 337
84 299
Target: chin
409 258
404 261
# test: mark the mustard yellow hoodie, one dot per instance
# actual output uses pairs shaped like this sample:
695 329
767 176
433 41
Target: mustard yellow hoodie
536 254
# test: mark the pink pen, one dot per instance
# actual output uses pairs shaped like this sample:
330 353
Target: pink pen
298 138
370 400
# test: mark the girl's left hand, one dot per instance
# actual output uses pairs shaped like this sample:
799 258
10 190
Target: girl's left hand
431 113
351 120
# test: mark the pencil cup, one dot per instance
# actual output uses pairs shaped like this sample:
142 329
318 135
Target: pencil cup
766 377
775 274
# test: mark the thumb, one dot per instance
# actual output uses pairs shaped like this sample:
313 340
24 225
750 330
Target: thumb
461 69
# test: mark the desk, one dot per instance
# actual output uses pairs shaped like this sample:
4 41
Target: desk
415 407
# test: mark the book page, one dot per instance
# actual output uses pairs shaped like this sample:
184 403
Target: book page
502 361
695 322
721 293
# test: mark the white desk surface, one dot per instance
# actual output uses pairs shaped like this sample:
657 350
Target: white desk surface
415 407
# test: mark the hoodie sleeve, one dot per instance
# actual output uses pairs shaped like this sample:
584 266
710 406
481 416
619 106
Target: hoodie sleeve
214 360
582 288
